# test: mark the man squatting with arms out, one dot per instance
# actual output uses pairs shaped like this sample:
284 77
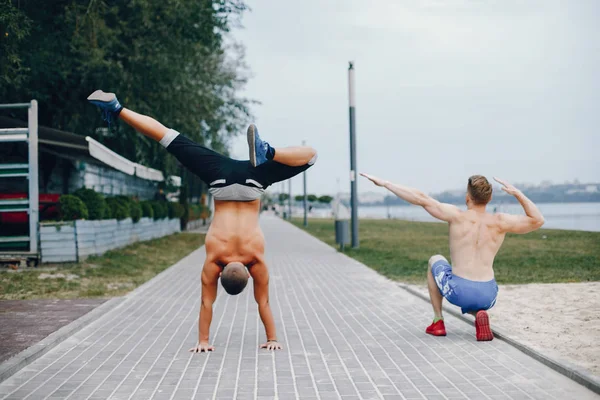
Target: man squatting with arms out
475 237
234 243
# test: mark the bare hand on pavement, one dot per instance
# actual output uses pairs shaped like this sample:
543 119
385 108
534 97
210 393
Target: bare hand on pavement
271 346
201 348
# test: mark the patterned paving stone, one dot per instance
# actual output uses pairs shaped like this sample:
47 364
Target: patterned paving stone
348 334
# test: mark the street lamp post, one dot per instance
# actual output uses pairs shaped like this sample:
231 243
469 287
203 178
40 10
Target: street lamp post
290 198
305 195
353 174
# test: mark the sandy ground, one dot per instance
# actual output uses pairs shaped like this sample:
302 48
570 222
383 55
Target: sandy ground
560 320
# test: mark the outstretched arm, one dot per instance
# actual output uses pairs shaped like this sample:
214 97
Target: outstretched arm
442 211
520 223
260 276
210 279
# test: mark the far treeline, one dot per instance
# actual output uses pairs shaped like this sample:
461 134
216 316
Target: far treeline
564 193
165 58
283 197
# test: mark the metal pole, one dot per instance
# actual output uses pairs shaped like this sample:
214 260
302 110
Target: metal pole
15 105
290 199
281 200
34 196
353 182
305 194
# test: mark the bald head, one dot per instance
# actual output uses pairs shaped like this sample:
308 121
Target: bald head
234 278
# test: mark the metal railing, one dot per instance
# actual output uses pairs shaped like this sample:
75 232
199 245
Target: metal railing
28 171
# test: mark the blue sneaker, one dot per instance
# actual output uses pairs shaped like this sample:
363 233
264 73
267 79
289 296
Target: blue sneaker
258 148
108 104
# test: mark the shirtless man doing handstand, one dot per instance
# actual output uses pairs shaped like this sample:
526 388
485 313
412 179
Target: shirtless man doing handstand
235 245
475 238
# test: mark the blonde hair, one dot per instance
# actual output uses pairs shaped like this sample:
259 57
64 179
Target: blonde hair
479 189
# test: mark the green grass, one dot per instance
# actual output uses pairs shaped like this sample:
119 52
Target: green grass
113 274
400 250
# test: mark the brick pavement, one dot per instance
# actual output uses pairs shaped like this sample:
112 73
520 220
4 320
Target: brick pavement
24 323
348 334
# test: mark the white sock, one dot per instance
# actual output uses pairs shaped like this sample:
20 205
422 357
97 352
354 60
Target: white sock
168 138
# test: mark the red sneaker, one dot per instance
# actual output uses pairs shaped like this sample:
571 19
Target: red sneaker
437 328
482 327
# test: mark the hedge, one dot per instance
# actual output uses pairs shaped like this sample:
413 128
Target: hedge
119 208
198 211
95 203
160 210
147 210
72 208
87 204
135 209
176 210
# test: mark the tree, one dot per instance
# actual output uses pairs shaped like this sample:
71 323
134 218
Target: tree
266 199
16 28
283 197
165 58
325 199
300 197
312 198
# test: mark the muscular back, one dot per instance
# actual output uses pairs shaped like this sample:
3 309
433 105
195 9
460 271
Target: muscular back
475 238
235 234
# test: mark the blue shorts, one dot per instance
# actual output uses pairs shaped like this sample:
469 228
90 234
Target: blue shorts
464 293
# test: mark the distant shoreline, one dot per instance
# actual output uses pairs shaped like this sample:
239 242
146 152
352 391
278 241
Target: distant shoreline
564 216
493 203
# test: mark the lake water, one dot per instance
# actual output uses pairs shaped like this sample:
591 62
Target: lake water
571 216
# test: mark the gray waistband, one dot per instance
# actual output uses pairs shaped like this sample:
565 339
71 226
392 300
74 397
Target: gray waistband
236 192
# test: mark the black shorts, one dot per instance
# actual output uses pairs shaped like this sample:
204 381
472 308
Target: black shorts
218 170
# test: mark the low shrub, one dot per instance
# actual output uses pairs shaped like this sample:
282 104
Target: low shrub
119 207
147 209
72 208
160 210
135 210
176 210
95 203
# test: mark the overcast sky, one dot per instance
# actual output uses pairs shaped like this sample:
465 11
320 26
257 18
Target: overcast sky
444 89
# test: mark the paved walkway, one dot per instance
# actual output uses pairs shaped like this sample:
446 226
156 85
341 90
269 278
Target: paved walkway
348 334
24 323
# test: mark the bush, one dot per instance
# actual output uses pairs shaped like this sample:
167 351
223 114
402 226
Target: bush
204 211
135 209
183 200
160 209
72 208
147 210
95 203
176 210
119 207
108 211
124 199
194 212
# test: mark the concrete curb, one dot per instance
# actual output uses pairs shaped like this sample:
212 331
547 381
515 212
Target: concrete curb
565 368
29 355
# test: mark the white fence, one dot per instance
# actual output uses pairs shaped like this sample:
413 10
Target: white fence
73 241
196 224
